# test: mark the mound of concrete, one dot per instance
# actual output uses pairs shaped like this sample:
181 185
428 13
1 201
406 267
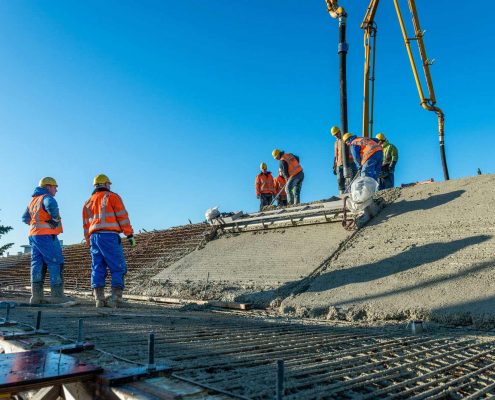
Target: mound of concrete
428 255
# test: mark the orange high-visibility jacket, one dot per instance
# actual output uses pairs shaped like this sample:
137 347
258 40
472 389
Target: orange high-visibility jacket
292 163
264 183
339 158
105 211
40 217
368 147
280 182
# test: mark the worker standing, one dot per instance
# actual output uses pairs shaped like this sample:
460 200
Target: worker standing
367 154
43 217
390 158
264 186
104 218
280 193
293 172
338 160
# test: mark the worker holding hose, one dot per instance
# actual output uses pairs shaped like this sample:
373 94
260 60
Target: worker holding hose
367 154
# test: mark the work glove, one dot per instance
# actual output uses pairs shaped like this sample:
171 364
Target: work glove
132 240
53 224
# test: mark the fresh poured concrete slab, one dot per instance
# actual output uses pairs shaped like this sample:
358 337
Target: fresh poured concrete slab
430 254
260 263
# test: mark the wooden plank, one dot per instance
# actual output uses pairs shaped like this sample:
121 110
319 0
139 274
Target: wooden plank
77 391
112 378
312 220
47 393
163 299
20 372
160 393
230 305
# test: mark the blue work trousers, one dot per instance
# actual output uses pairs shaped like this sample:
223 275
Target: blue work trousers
373 166
46 250
106 251
293 188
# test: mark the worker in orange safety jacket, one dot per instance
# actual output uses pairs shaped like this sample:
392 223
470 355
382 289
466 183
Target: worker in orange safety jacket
338 160
367 154
293 172
264 186
104 219
45 224
280 193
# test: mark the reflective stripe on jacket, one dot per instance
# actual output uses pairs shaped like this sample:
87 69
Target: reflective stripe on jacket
292 163
368 147
280 182
39 219
338 157
105 211
264 183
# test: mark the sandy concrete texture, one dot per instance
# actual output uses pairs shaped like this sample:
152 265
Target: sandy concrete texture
253 262
430 254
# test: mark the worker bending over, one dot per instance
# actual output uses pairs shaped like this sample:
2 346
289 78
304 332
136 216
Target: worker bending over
338 160
104 218
43 217
390 158
367 154
264 186
293 172
280 193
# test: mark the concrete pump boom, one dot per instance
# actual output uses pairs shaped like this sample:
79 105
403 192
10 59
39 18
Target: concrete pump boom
369 27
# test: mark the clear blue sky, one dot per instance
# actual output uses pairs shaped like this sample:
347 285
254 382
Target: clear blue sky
179 101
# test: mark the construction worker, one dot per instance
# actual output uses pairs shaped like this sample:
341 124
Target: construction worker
104 218
367 154
293 172
338 160
264 186
43 217
390 158
280 193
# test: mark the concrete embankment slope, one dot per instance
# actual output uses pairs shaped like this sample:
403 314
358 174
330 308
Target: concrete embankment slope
256 266
430 254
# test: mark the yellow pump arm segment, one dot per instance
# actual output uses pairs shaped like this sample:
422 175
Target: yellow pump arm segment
426 103
369 27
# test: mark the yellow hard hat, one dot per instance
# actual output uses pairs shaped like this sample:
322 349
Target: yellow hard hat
47 181
346 136
101 179
380 136
275 153
263 166
334 130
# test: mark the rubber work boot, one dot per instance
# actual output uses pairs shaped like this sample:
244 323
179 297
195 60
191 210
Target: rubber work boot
99 294
117 298
58 295
37 296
